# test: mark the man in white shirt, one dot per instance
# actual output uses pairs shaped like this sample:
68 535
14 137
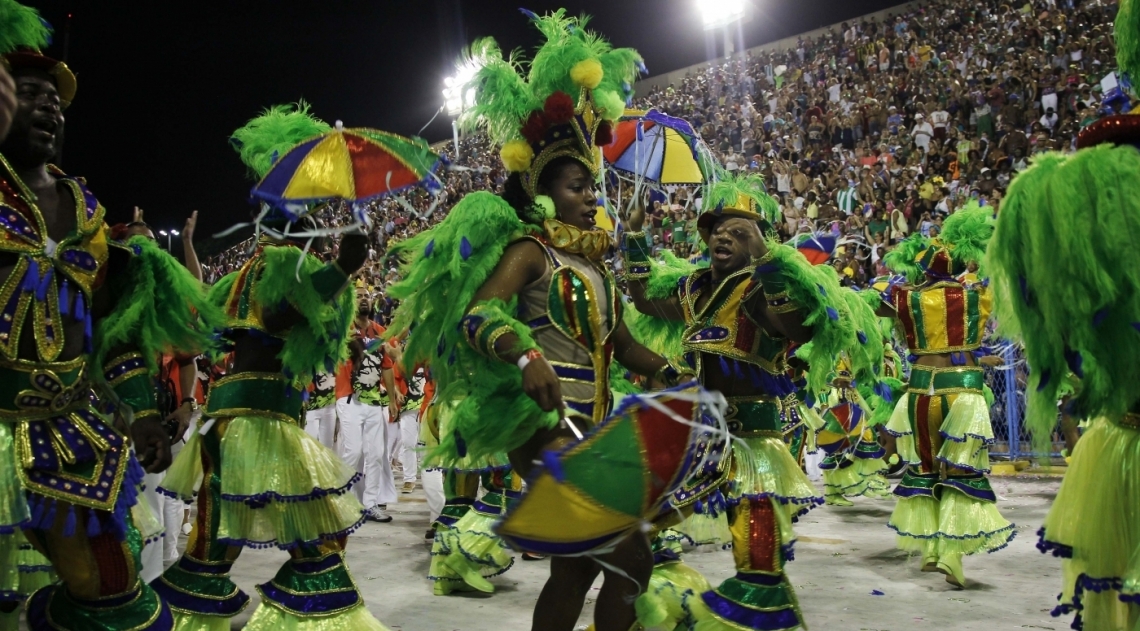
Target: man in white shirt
922 133
939 119
1049 119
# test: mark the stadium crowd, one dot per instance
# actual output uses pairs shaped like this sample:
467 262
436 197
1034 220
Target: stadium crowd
874 130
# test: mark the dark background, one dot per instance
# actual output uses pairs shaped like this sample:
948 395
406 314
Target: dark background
162 84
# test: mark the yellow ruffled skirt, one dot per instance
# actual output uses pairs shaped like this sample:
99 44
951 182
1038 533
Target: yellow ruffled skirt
1095 526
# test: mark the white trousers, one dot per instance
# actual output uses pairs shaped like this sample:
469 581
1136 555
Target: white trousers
364 446
320 423
406 437
157 555
433 489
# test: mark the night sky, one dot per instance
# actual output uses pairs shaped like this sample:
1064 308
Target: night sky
162 84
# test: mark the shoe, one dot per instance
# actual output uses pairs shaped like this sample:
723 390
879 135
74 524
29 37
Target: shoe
378 514
469 573
951 566
429 536
530 556
838 500
186 528
408 487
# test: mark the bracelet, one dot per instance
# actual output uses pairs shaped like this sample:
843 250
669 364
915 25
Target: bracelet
670 376
191 400
636 247
528 357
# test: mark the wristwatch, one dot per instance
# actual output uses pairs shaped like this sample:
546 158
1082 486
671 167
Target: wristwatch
191 400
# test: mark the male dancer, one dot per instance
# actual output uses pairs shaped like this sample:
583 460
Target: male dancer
79 313
740 314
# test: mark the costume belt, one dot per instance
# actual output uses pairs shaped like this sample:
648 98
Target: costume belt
255 394
1130 421
950 380
32 391
751 417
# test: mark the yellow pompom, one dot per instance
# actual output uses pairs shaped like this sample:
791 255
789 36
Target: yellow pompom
587 73
517 156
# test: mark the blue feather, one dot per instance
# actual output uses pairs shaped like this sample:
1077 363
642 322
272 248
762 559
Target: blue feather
529 14
553 465
464 248
428 248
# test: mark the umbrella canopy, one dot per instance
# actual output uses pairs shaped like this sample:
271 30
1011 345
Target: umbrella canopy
655 146
350 164
600 489
816 247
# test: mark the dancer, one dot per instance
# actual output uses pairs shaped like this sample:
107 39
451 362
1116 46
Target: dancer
740 315
1078 312
854 462
80 312
946 507
512 307
260 479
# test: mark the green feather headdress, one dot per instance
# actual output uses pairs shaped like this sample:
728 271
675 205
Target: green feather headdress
574 89
903 258
21 28
733 196
264 139
967 232
1126 31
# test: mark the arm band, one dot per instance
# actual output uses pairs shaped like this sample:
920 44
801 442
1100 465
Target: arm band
486 322
636 251
128 377
770 274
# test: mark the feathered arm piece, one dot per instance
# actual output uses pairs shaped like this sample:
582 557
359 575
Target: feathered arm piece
443 269
159 309
1066 273
320 341
815 292
1126 32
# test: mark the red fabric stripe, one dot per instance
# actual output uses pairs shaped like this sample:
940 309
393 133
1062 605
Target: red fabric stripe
901 298
664 443
624 135
922 431
763 537
371 165
115 576
955 316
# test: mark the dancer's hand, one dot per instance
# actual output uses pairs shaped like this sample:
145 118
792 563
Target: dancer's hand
636 219
182 415
541 384
353 252
991 360
152 445
188 229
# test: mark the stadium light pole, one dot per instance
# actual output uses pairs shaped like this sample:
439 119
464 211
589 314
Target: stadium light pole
168 236
722 14
459 96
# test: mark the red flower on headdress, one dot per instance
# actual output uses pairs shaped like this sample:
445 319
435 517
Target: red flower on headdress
535 127
559 108
604 135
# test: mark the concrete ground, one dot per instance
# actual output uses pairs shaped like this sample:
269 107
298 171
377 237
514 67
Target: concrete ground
842 555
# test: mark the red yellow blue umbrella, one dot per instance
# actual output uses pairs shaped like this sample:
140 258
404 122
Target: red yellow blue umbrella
660 148
350 164
596 491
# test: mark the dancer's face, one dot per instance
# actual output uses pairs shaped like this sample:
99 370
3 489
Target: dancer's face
730 244
575 201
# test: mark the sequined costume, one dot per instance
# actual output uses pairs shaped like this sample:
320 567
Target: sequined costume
946 507
70 478
763 488
259 479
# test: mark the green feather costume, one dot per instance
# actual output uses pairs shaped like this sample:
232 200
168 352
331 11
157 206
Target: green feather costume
1067 276
252 466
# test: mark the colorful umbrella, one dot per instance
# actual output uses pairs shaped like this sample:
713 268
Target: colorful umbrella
657 147
350 164
598 490
816 247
